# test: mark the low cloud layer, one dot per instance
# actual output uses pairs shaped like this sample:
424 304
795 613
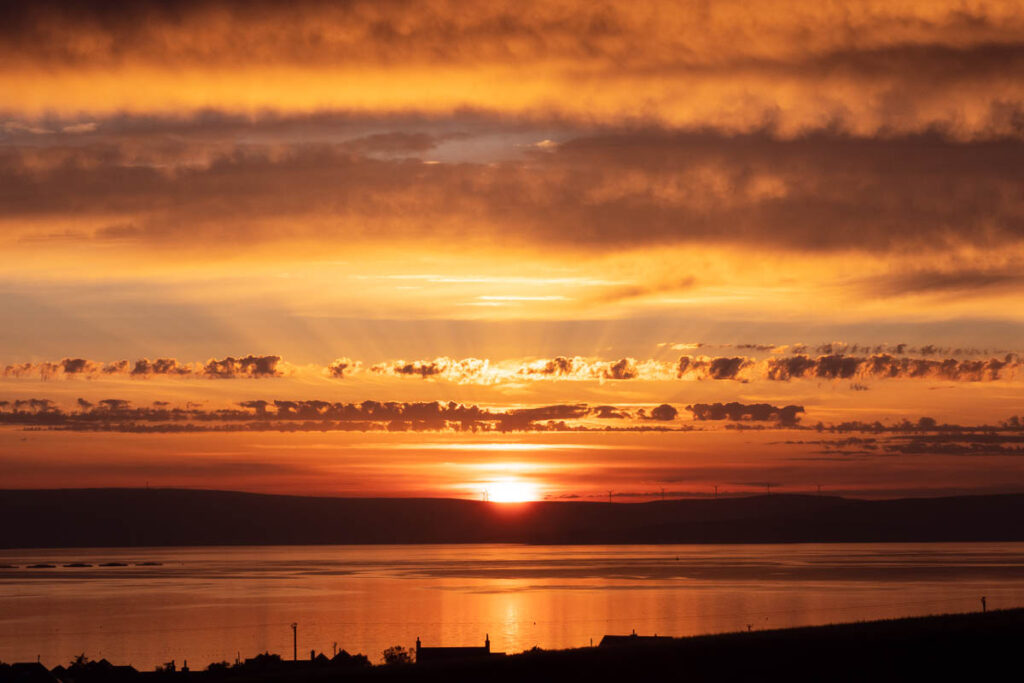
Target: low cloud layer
120 415
480 371
242 367
924 436
885 366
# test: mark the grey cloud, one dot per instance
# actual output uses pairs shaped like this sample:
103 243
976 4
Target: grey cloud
945 282
341 367
622 369
788 415
886 366
737 412
721 367
822 191
664 413
120 415
246 366
226 368
160 366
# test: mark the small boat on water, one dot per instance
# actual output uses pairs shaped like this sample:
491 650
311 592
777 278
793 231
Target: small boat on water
77 564
114 564
149 564
8 566
42 565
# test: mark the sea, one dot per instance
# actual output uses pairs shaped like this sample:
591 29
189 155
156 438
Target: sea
149 606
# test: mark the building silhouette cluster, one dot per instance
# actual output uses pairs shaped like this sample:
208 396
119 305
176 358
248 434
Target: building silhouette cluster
264 665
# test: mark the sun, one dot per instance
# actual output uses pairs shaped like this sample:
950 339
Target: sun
511 491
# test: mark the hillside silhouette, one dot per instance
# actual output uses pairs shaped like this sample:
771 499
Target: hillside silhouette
166 517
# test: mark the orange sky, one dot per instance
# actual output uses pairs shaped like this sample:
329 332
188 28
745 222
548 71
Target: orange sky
626 247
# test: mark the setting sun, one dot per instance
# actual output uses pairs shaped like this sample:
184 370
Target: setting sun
511 491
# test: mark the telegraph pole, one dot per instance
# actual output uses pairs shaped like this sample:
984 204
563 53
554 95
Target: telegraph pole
295 642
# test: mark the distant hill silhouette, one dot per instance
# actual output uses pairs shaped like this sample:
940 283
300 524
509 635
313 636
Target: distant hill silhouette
161 517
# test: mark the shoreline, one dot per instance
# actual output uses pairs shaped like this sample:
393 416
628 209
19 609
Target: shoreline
975 645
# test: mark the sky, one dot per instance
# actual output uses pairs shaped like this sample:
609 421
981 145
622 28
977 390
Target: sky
525 250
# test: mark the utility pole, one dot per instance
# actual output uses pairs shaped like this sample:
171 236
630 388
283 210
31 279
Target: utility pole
609 496
769 487
295 642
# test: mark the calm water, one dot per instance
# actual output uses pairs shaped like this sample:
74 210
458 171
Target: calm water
207 604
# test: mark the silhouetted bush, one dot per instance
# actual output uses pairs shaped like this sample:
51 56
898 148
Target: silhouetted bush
396 655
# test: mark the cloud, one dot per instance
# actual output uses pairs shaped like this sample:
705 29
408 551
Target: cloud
968 367
161 366
316 415
962 281
738 412
703 367
421 369
862 68
886 366
609 413
463 371
484 371
248 367
664 413
342 367
818 193
622 369
636 291
925 436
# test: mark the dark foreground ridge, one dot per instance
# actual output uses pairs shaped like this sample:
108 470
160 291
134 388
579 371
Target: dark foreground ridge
946 647
172 517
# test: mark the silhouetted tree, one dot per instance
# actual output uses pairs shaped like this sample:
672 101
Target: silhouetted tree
396 654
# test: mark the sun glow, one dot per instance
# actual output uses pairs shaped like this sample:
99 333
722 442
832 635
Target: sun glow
511 491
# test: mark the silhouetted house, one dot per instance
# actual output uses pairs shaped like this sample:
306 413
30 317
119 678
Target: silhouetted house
632 640
267 662
447 654
344 659
27 672
263 662
100 672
